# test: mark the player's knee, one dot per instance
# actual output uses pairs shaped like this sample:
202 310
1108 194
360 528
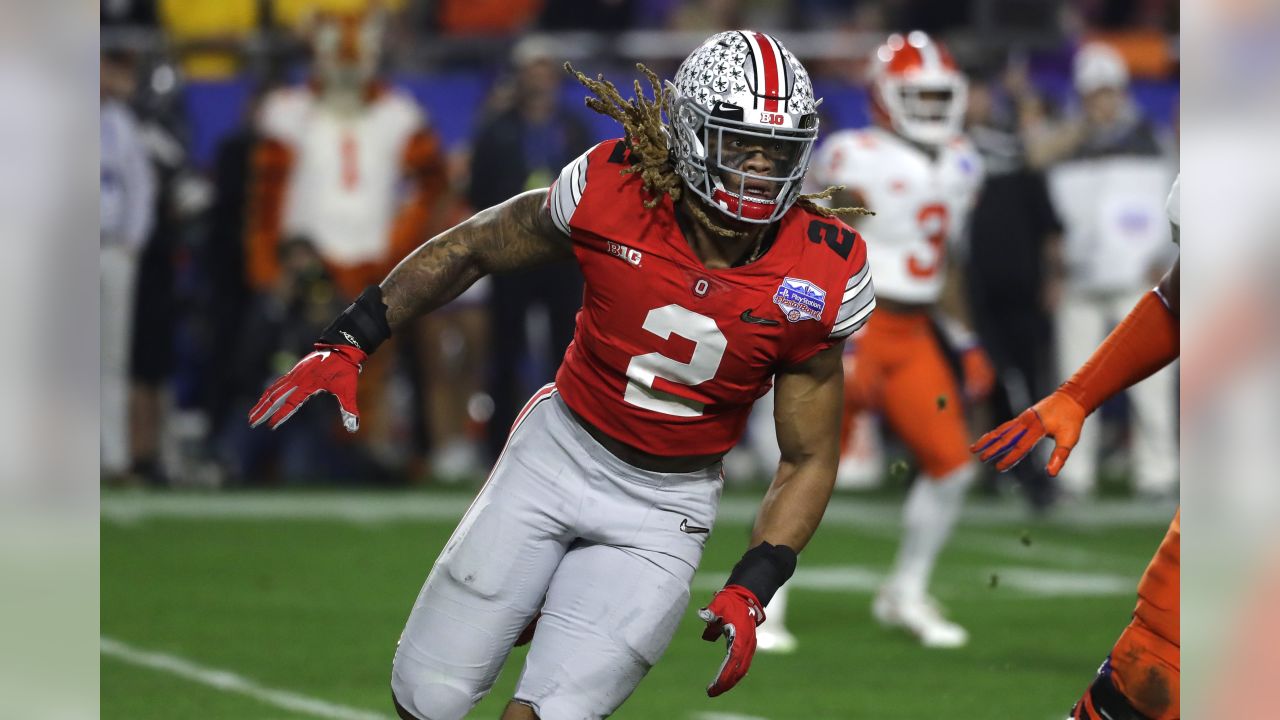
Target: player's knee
957 474
941 460
566 708
401 712
422 697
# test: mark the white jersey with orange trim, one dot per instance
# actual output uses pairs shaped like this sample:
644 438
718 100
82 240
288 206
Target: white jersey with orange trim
344 184
921 204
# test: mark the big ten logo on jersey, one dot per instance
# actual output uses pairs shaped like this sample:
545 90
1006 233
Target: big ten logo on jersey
631 255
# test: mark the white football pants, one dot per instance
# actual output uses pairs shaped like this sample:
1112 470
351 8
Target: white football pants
605 550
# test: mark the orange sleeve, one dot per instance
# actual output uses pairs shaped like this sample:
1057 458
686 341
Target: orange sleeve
1145 341
424 170
268 181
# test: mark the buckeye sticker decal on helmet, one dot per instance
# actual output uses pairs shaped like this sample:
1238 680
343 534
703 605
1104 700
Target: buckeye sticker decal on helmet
743 90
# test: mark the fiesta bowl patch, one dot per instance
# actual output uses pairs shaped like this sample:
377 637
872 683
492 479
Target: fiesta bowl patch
800 299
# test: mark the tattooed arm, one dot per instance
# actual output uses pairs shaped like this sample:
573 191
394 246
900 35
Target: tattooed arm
515 235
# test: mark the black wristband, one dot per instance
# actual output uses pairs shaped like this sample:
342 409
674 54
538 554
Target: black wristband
363 324
763 569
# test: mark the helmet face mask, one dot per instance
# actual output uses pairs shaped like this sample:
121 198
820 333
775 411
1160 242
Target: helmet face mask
744 125
919 89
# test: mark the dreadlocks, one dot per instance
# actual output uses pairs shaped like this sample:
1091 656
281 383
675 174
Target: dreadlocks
649 139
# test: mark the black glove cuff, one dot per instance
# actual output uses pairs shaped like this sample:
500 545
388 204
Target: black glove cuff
763 569
363 324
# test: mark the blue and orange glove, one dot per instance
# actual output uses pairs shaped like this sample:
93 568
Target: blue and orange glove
1058 416
734 612
1145 341
330 368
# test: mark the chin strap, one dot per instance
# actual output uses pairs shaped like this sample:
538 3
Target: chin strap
694 205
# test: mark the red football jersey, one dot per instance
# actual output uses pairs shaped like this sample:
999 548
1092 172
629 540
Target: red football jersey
668 355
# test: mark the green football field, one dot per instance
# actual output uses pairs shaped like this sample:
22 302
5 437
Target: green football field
288 605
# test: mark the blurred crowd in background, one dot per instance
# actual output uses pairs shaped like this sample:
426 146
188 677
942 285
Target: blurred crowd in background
264 160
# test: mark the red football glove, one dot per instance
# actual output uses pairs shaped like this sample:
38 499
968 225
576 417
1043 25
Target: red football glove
1058 416
734 612
331 368
979 374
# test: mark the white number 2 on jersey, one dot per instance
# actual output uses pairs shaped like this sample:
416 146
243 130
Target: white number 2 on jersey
708 350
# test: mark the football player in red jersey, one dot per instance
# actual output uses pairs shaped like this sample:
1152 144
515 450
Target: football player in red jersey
1141 678
709 278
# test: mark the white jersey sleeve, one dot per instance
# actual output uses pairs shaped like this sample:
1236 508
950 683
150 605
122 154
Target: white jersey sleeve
856 305
566 192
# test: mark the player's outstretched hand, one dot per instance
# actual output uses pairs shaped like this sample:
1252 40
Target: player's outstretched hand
1058 416
734 612
330 368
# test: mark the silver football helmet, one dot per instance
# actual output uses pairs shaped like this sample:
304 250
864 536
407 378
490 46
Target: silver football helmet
742 96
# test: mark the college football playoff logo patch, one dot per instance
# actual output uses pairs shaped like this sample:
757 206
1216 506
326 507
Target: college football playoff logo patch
800 299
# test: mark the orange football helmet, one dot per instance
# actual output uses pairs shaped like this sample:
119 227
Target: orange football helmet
917 89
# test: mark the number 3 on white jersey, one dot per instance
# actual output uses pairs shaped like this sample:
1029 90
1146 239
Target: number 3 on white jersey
708 350
933 221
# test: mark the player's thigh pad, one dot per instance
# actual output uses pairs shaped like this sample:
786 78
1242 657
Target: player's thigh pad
618 595
491 577
609 616
922 404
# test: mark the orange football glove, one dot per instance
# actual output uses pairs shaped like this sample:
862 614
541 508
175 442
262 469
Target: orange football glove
979 373
1057 416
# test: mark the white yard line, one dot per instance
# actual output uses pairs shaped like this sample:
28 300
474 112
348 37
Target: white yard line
230 682
374 507
837 578
1058 583
1026 581
985 528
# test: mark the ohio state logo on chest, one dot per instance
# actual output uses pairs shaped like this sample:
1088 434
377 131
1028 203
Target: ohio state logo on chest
631 255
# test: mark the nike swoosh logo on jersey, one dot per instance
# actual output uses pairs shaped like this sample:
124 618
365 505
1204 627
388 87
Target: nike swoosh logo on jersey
747 317
685 527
